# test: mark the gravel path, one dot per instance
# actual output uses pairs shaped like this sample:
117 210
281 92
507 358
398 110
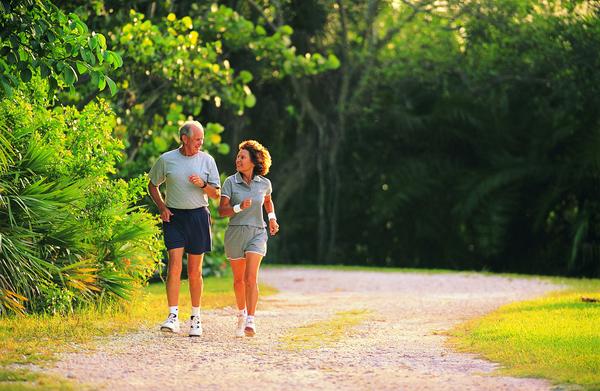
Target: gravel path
398 347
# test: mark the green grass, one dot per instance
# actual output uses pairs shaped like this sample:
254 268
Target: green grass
324 333
556 337
35 339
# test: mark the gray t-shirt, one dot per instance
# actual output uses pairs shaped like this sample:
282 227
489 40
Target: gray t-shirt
237 191
174 169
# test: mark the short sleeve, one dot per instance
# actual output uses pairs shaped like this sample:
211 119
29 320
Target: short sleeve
269 187
213 174
158 172
227 188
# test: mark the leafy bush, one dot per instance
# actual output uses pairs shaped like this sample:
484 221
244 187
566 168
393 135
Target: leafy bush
69 235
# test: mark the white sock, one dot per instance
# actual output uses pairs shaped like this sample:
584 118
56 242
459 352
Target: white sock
242 312
250 318
195 311
174 310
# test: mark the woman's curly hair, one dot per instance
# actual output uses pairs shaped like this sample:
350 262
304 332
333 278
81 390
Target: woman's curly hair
259 155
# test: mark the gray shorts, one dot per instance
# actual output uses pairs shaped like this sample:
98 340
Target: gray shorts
240 239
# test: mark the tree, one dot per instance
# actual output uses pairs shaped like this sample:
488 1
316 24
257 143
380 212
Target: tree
36 36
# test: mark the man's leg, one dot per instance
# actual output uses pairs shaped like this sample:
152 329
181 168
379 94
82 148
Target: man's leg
174 275
173 280
195 278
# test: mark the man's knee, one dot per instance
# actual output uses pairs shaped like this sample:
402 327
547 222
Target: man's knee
195 275
174 269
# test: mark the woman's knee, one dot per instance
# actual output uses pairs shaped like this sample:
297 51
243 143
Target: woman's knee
239 282
250 280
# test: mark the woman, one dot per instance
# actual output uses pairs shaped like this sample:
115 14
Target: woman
242 198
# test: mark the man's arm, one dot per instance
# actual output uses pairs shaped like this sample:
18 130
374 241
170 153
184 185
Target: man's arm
165 213
212 191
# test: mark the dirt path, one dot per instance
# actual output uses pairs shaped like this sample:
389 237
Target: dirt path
397 347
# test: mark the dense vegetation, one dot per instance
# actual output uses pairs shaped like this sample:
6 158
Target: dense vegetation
407 133
454 134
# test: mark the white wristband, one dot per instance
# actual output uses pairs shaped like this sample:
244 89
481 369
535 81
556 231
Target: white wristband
272 216
237 208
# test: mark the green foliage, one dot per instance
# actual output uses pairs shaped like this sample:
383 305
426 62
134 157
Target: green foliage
37 38
70 236
470 137
180 65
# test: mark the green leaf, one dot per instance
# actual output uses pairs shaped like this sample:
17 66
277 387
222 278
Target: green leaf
69 75
93 42
223 149
260 30
44 70
96 77
50 36
213 127
6 87
26 75
246 77
101 40
101 82
118 60
81 67
111 85
287 30
250 100
333 62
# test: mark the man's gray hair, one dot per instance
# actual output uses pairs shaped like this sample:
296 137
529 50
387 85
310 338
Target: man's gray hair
186 128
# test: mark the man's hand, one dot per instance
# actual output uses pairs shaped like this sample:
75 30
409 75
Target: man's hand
197 181
246 203
273 227
165 214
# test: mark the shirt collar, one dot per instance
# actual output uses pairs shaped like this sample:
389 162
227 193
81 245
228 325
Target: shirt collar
238 178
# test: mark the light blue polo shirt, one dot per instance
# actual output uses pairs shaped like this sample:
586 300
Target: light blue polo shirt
237 191
174 169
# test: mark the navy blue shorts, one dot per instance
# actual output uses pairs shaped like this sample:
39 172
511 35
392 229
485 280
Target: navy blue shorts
190 229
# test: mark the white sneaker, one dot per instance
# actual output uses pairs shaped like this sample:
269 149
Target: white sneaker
195 326
171 325
250 328
241 324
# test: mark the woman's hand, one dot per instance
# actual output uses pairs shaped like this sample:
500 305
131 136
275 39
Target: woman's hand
246 203
273 227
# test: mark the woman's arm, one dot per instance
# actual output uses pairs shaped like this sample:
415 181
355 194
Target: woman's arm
226 209
270 208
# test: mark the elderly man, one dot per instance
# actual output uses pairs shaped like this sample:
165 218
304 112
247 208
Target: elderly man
190 177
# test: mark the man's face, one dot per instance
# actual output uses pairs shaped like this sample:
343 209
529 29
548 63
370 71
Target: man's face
194 142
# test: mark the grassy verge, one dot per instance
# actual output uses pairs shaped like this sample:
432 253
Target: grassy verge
556 337
324 333
35 339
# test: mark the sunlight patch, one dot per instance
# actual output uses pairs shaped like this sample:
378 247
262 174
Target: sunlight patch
326 332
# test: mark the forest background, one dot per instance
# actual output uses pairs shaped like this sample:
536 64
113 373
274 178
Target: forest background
438 134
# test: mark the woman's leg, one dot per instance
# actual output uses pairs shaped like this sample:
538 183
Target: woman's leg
238 266
251 280
195 278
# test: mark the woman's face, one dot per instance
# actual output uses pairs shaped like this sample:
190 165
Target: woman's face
243 163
